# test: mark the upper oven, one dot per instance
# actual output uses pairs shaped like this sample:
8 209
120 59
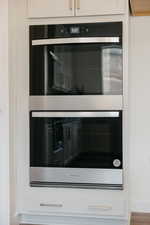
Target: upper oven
76 59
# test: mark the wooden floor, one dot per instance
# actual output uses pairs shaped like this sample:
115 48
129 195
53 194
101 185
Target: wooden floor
140 219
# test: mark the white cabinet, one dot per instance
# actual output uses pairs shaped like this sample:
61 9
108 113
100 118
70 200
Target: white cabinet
64 8
50 8
75 202
99 7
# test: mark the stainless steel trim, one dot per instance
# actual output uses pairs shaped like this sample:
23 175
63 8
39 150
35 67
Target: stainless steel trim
76 40
51 205
73 185
75 114
101 102
76 177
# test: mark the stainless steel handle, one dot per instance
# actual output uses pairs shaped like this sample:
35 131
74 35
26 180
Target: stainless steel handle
70 5
100 207
76 40
51 205
78 4
75 114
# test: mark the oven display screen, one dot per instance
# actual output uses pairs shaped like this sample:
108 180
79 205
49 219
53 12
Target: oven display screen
74 30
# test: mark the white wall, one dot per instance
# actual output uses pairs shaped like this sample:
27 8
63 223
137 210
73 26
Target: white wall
139 113
4 115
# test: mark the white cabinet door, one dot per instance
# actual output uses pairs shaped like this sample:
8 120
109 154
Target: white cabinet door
50 8
99 7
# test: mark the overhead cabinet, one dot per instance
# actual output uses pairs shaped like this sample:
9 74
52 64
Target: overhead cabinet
50 8
65 8
99 7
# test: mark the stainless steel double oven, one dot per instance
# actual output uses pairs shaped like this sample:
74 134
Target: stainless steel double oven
76 85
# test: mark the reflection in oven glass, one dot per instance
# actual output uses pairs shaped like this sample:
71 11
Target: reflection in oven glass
75 142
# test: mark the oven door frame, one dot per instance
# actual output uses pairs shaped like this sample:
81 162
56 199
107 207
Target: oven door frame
116 98
76 102
76 177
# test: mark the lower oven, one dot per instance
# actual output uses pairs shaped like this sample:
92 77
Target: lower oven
76 149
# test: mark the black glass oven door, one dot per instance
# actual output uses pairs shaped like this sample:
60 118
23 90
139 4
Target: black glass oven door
76 139
90 68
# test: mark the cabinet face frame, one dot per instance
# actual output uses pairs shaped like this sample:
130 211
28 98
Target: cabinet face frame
27 193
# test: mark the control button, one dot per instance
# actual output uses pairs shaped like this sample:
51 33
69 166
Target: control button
84 30
117 163
62 31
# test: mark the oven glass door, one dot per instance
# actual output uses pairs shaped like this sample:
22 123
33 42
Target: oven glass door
76 66
76 140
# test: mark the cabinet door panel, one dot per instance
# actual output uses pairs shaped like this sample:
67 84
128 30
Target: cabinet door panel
50 8
99 7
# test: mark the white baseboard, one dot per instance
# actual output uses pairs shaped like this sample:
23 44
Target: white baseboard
140 206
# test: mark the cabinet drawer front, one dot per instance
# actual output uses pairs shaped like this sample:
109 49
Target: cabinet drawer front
99 7
99 208
50 8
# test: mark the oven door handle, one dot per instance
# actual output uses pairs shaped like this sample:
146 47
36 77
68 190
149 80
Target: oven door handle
77 40
47 114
